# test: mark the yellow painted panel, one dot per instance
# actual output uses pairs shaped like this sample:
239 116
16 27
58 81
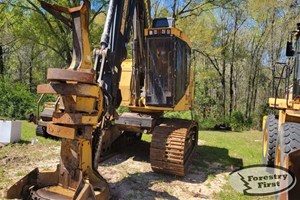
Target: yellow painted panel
296 106
294 113
174 31
74 118
84 104
86 155
125 82
280 103
61 131
264 122
184 104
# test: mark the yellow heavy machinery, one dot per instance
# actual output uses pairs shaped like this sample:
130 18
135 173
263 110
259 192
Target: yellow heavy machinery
281 135
159 78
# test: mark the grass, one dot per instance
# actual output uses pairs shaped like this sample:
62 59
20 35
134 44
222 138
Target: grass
231 147
231 150
28 133
147 137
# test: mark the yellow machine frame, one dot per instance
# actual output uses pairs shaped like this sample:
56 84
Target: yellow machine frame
289 111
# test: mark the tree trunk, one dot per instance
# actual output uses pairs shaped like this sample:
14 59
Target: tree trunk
236 90
231 92
248 102
30 77
254 99
223 78
1 60
253 89
223 81
32 57
174 11
20 69
206 90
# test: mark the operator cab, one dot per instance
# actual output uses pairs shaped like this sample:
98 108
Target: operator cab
168 63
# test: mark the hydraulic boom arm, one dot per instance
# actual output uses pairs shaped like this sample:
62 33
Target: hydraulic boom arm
123 18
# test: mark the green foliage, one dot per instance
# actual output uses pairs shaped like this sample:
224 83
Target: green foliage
122 109
207 123
180 115
239 122
262 111
16 101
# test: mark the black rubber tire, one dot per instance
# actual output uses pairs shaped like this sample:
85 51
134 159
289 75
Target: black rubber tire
41 131
270 133
288 139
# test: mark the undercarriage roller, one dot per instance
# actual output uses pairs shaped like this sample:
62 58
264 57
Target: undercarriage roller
172 146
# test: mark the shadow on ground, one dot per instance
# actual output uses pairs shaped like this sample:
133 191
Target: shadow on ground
207 161
24 142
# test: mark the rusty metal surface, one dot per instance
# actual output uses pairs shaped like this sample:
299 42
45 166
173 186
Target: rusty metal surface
20 189
59 8
74 118
61 131
172 146
54 192
76 18
55 11
47 178
76 152
70 75
84 90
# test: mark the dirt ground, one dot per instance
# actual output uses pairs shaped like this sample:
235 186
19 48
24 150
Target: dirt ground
129 173
130 177
19 159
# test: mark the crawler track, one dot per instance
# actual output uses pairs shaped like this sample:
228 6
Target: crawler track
172 146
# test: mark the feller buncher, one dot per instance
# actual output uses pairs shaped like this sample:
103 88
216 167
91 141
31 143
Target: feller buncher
281 134
159 78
